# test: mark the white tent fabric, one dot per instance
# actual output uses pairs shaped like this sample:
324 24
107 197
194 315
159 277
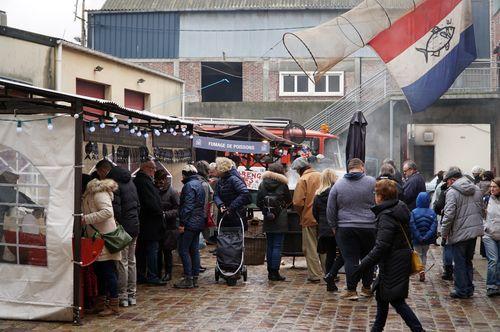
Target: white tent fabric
329 43
44 292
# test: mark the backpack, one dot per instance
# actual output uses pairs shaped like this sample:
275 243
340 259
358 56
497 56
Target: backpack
272 207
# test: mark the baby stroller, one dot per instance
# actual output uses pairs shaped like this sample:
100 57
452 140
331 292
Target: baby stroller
230 252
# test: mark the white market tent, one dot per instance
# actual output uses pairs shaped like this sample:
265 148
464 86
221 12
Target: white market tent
41 139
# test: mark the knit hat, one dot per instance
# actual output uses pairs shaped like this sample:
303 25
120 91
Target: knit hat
189 170
477 170
300 163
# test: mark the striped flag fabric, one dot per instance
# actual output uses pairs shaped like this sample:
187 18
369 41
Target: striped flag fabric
428 48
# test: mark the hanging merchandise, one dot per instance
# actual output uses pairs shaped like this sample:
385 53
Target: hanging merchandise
144 153
95 151
113 155
104 151
88 150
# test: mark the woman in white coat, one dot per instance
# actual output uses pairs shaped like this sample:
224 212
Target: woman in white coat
98 215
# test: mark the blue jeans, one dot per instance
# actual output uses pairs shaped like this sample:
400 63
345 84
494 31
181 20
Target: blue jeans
107 278
463 252
447 255
189 252
355 244
492 249
402 309
274 244
147 260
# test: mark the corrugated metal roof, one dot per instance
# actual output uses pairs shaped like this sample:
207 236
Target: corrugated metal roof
95 102
231 5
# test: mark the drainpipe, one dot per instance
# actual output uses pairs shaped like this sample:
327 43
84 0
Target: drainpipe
183 110
59 66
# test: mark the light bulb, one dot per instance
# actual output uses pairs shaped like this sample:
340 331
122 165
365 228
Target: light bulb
117 129
92 129
164 130
191 136
174 133
76 115
171 130
102 125
114 119
132 130
183 129
129 120
157 132
139 134
50 126
146 135
184 133
19 127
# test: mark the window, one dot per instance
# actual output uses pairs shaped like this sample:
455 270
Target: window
299 84
24 199
221 81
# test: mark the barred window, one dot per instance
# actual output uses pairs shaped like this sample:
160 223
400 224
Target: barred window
24 200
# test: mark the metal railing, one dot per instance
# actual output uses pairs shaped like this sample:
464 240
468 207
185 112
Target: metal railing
478 78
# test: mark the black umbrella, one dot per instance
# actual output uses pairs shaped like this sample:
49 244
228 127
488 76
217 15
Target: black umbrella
356 138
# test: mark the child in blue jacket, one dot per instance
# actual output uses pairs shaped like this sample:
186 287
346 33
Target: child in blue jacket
423 224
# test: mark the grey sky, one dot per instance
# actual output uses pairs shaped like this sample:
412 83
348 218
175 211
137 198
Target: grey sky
48 17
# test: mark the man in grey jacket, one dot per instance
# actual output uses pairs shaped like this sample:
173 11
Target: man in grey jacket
462 223
349 215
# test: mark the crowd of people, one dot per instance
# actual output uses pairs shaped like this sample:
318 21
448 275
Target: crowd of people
369 226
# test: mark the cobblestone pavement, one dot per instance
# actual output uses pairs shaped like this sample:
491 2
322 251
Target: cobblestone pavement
259 305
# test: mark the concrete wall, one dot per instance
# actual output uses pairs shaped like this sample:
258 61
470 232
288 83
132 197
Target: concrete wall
297 111
165 95
26 61
472 140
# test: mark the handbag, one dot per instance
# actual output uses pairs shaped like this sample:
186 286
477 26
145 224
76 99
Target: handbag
416 262
116 240
209 223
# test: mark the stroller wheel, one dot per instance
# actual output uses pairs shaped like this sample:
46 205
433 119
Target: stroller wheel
217 275
231 282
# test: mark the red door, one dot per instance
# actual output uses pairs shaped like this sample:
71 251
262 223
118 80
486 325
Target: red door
91 89
134 100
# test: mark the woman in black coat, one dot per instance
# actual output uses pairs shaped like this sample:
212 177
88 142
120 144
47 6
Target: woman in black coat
170 206
326 241
273 198
392 253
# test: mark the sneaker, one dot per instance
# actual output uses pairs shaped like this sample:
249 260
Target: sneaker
167 277
349 295
366 292
490 292
184 283
421 276
124 303
132 301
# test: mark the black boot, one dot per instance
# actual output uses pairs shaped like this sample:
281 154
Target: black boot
331 287
274 275
447 273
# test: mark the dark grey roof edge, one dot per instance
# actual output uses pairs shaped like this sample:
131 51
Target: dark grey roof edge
28 36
